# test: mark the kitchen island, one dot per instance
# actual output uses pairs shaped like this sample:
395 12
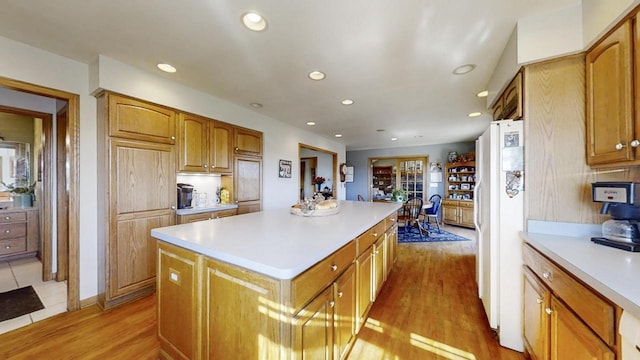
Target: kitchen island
272 285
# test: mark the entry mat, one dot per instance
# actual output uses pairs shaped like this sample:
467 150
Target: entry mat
19 302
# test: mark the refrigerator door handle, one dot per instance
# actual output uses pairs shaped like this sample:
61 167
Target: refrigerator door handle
476 207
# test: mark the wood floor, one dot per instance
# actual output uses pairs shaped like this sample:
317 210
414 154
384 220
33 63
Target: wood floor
428 309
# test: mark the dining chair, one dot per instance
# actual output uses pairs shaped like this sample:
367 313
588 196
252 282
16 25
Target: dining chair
432 212
410 214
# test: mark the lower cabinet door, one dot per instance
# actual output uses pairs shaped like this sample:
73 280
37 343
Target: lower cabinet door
364 279
313 328
466 216
450 214
572 339
536 320
378 266
177 302
345 312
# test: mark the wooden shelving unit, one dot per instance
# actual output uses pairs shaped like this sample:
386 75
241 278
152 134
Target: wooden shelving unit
457 205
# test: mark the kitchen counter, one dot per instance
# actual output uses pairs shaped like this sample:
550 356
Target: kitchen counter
201 210
275 242
612 272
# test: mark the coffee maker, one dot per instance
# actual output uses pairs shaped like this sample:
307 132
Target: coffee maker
621 200
185 196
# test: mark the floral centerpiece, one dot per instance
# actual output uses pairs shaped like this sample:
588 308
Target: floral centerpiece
318 180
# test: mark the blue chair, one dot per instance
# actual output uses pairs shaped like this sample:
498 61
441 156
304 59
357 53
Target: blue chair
432 212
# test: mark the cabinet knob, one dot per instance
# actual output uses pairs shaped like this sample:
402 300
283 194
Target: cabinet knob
8 247
173 138
539 301
334 267
340 294
332 303
548 311
205 166
236 148
7 231
634 143
547 275
620 146
375 234
7 217
173 207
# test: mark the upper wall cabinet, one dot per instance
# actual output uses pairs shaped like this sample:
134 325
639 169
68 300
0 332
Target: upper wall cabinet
133 119
612 131
509 105
247 142
204 145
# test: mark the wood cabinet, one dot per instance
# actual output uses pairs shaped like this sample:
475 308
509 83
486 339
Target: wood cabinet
457 205
247 176
204 145
19 233
139 181
209 215
345 312
208 309
612 126
247 142
509 105
564 319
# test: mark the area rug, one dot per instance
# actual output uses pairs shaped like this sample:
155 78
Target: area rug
434 235
19 302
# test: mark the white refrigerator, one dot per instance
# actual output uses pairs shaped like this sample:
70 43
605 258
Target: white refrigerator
498 197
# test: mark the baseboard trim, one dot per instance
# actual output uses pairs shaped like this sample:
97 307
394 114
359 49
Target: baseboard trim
88 302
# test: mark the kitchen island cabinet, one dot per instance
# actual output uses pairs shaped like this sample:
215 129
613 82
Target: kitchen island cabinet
264 290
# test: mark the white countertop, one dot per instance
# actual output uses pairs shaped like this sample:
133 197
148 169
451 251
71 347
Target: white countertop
275 242
201 210
612 272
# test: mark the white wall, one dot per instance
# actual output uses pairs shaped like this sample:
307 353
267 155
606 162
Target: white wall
32 65
599 16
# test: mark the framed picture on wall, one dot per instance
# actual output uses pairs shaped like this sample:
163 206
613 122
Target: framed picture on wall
284 169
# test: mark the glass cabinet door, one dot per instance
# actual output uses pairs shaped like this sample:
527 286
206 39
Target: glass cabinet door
412 177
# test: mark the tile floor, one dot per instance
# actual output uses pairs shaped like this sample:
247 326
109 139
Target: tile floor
24 272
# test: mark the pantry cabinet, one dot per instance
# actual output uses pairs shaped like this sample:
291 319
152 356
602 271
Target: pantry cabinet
612 125
135 140
204 145
564 319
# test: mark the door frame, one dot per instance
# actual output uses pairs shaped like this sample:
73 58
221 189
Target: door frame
73 158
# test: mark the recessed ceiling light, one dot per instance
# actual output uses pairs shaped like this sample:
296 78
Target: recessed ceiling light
167 68
338 135
483 94
316 75
253 21
310 123
464 69
474 114
347 102
394 138
256 105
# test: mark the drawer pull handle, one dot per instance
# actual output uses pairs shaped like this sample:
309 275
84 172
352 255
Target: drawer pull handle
340 294
548 311
7 231
7 217
547 275
539 301
334 267
7 247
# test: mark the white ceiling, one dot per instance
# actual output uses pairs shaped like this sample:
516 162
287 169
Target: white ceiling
394 58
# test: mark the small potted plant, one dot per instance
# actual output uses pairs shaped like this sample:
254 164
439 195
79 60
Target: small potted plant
22 195
399 195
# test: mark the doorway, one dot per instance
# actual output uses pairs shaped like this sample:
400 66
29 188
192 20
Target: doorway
70 128
317 163
388 175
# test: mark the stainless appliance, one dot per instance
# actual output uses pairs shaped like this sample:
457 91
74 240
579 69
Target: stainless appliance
185 195
621 200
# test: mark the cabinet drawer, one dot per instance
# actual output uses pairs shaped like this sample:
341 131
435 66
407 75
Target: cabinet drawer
447 202
13 230
13 217
595 311
466 204
223 213
321 274
391 221
11 246
369 237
